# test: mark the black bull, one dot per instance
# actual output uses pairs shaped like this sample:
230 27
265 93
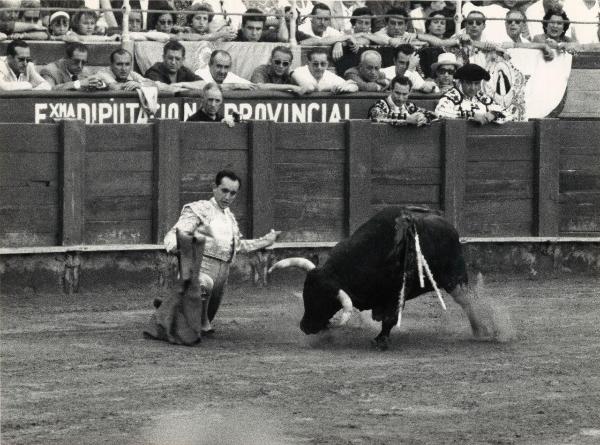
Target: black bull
369 268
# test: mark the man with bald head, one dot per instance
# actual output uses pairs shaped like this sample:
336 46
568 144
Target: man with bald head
368 75
219 71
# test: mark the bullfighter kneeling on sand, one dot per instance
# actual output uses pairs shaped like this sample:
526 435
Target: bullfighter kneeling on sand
185 317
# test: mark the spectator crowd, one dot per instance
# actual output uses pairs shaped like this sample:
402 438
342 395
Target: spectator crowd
396 47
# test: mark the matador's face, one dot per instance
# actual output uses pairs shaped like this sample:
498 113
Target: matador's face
226 192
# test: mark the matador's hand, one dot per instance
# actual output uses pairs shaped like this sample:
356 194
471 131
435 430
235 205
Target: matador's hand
271 236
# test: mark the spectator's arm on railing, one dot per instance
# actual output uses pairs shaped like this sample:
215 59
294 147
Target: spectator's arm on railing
27 27
353 75
288 88
30 35
15 86
191 85
377 39
348 86
324 41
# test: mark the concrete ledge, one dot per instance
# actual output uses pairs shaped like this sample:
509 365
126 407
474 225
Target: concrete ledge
72 269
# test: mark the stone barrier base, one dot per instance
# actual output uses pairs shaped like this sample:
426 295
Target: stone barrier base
94 268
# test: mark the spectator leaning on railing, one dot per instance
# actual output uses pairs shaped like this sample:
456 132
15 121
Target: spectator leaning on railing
32 14
58 27
556 23
253 29
199 25
17 71
275 75
69 72
13 27
322 34
405 64
515 26
316 77
84 25
361 21
219 72
171 70
119 76
368 75
396 26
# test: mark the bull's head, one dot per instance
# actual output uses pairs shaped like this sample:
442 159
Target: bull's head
322 295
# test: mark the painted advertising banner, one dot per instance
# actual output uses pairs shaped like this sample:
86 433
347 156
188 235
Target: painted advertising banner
93 110
125 108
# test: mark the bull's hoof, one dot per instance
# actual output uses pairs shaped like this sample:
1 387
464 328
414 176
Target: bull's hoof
381 343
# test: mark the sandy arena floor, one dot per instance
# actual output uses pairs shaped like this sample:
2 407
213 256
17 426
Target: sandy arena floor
76 370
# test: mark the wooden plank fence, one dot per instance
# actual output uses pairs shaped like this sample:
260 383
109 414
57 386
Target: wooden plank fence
69 183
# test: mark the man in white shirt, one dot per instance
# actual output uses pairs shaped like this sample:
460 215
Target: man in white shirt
218 71
396 26
17 72
319 27
405 63
120 75
515 27
495 12
316 77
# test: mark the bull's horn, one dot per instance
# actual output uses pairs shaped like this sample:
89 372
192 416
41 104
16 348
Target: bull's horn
302 263
346 305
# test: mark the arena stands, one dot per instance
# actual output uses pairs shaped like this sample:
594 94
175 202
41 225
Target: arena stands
520 65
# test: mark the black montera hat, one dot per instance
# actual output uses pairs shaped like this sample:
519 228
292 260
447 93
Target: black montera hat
471 71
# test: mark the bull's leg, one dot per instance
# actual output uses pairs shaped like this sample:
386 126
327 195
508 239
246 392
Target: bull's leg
487 321
382 341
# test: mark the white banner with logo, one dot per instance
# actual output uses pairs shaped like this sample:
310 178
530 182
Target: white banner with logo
526 84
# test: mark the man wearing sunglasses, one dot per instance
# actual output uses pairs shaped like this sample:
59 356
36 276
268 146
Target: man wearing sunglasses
17 71
475 23
275 75
443 72
316 77
515 27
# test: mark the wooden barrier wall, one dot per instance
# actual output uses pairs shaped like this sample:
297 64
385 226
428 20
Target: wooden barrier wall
71 183
579 177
